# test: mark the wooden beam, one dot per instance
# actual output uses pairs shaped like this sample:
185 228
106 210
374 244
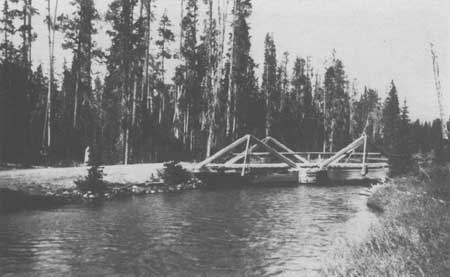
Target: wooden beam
285 148
223 151
358 154
250 165
275 153
358 165
340 154
364 171
241 155
245 157
350 156
238 167
325 153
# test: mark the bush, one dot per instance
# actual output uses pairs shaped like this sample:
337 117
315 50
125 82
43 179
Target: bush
93 181
174 174
439 184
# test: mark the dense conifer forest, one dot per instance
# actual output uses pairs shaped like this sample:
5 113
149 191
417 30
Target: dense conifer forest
140 112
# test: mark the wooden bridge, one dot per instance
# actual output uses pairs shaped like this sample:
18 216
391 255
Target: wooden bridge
251 160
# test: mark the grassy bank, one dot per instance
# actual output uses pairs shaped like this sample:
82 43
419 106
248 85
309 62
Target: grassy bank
412 237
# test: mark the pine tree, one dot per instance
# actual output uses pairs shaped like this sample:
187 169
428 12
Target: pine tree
283 89
406 140
212 80
392 130
337 107
37 107
8 29
26 29
78 30
366 115
145 82
296 108
166 36
269 89
120 79
242 74
308 114
191 98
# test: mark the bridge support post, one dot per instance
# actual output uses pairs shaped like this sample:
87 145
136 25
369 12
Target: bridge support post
247 150
308 175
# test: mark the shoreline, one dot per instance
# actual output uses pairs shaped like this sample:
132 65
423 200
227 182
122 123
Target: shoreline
412 234
25 189
19 200
64 177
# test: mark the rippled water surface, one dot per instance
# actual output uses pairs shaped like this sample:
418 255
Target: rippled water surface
221 232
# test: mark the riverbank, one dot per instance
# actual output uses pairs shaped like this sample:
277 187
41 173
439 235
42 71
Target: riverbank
49 187
53 178
412 235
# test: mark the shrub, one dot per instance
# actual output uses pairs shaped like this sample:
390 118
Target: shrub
438 185
94 180
174 174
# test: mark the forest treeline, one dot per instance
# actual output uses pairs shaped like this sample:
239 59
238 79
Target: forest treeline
140 113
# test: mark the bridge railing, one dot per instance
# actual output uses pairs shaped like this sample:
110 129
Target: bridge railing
320 156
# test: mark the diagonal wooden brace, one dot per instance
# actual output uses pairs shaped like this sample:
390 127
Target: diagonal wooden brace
223 151
275 153
287 149
339 155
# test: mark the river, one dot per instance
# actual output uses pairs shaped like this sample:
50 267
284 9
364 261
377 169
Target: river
251 231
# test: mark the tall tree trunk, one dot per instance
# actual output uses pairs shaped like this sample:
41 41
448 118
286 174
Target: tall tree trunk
127 135
133 119
75 102
186 125
51 46
50 79
133 103
325 128
229 122
267 103
333 130
24 34
162 92
177 115
234 111
209 81
127 12
177 112
145 85
5 33
29 35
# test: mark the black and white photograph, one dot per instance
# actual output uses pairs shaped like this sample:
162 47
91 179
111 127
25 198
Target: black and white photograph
224 138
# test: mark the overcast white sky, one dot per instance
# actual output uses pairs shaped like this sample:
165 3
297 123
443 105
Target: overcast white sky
378 40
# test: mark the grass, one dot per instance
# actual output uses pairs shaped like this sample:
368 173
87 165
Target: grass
412 237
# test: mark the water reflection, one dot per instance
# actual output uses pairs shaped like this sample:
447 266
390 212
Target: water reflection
239 231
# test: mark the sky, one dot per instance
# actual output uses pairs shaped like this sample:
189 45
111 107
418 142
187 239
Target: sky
377 40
